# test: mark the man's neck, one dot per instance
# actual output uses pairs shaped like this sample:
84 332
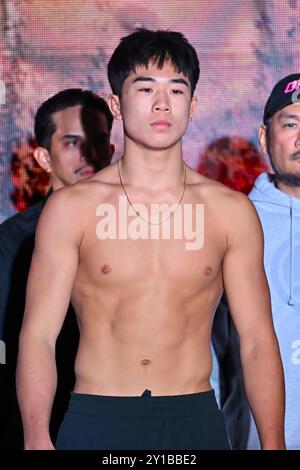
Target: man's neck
155 169
293 191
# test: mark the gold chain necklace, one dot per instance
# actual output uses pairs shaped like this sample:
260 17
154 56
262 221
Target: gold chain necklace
138 213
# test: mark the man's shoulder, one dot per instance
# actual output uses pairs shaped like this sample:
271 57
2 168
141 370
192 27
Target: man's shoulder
214 191
94 187
71 207
231 211
15 229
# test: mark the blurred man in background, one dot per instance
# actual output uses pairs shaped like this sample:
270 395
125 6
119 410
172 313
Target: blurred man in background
277 200
72 130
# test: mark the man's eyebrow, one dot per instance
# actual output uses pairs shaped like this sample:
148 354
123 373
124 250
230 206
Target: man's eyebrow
285 115
72 136
142 78
179 80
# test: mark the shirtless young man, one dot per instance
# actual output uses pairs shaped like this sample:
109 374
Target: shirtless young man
145 304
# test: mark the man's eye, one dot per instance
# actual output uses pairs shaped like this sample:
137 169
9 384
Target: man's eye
177 92
146 90
72 142
290 125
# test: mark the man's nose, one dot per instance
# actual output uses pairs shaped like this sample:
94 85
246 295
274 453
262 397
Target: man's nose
297 142
82 156
161 103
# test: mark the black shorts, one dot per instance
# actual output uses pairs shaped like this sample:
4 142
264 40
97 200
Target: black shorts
179 422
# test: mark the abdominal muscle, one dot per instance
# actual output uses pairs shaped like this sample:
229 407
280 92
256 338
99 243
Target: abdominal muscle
160 347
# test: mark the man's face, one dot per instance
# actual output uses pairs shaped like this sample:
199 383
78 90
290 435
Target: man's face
283 145
79 146
156 106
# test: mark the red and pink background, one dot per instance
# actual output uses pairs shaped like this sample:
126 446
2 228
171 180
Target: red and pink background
244 47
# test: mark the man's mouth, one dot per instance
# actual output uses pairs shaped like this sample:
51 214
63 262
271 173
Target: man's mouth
161 124
86 170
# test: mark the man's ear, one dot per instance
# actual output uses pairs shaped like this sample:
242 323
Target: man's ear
114 105
42 156
193 107
263 138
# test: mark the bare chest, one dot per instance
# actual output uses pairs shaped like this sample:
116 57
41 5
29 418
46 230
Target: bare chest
156 255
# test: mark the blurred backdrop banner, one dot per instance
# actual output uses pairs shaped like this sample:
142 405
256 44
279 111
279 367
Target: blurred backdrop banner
244 47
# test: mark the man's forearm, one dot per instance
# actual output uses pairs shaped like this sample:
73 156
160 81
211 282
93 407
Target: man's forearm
36 385
264 383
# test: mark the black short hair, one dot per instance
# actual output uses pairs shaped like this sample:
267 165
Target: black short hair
44 126
143 46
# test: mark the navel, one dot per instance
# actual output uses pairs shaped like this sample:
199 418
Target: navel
145 362
207 270
106 269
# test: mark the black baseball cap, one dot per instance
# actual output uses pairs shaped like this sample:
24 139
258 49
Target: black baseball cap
282 95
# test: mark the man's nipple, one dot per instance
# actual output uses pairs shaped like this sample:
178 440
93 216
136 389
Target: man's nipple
106 269
207 270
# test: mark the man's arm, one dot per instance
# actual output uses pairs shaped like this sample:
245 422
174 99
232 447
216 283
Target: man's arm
249 300
50 281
